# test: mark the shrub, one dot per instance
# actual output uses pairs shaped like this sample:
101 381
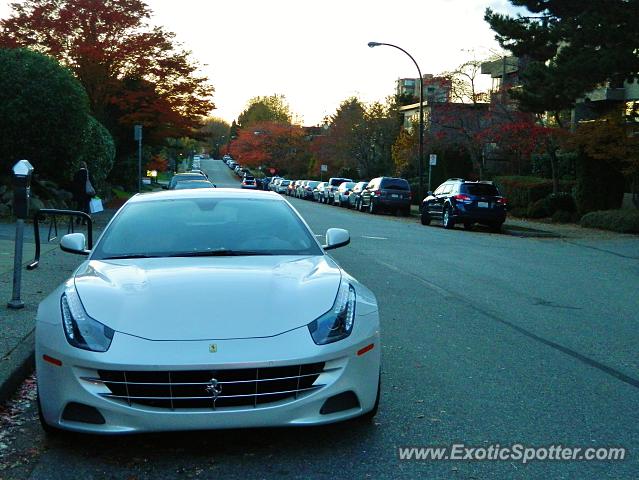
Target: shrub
563 216
518 212
538 209
43 114
560 201
599 186
622 221
523 191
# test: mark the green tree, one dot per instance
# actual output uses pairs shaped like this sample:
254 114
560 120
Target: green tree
572 47
272 108
216 133
43 114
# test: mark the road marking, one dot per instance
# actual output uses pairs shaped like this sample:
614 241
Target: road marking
374 238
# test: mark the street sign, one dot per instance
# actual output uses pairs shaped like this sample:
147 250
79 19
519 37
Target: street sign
433 159
324 168
137 132
272 170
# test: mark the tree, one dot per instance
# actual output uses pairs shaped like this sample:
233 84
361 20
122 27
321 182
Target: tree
265 109
132 72
216 133
573 47
273 145
463 80
44 114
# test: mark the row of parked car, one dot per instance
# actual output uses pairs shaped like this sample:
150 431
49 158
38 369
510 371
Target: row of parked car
456 201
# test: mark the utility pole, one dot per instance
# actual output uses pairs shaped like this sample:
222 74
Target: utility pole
137 135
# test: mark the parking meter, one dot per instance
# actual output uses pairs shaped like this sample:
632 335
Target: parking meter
22 172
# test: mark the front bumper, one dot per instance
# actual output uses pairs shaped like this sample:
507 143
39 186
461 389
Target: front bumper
344 371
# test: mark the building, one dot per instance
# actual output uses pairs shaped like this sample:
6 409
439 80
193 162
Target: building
436 89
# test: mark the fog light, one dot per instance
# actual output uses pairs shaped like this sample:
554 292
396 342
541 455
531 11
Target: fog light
78 412
340 402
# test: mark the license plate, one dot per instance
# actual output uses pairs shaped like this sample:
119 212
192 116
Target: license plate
482 204
394 195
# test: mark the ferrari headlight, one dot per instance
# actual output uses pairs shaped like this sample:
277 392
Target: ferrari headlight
337 323
81 330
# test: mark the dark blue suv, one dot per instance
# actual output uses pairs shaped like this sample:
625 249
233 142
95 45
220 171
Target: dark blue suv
462 201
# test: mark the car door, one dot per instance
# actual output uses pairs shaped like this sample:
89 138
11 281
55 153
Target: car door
366 193
439 197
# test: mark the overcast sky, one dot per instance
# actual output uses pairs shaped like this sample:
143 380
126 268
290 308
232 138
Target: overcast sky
316 53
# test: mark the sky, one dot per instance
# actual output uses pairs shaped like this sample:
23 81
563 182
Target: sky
315 53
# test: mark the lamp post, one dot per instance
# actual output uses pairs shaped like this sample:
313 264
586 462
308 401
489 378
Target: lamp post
421 115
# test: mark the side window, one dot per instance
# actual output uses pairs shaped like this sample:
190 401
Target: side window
439 190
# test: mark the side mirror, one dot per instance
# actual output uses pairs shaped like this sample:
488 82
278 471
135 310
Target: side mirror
429 193
74 243
336 238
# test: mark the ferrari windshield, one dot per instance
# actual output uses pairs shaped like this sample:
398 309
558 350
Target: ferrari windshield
205 227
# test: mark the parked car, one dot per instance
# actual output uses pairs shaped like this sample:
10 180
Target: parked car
188 184
182 177
386 194
249 182
318 192
340 196
290 191
282 186
354 197
467 202
299 187
201 172
332 185
275 181
112 356
266 181
306 192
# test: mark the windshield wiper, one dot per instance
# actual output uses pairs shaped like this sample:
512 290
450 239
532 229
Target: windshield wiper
130 255
220 253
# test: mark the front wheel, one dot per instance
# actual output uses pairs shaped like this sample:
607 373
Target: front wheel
496 227
425 218
371 208
447 219
368 416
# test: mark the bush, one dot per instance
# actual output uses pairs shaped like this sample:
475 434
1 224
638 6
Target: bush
98 150
518 212
43 114
561 201
538 209
622 221
523 191
563 216
599 186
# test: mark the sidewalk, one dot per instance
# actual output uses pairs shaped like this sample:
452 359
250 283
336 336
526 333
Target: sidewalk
17 326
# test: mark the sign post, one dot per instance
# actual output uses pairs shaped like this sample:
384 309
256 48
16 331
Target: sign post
433 161
137 135
323 168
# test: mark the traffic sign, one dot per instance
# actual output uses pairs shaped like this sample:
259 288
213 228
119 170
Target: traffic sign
433 159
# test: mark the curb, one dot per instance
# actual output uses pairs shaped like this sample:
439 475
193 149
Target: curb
16 366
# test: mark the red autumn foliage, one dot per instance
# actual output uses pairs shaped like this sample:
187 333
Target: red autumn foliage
158 163
129 69
272 145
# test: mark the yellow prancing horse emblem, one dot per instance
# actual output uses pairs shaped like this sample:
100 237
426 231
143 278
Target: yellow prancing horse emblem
213 348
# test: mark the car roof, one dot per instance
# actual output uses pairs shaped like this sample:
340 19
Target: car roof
205 193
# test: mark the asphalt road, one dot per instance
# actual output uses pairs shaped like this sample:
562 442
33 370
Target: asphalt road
487 339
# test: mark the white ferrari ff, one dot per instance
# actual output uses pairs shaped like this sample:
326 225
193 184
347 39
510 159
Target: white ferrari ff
206 309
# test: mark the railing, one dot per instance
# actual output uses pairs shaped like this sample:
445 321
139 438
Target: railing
53 228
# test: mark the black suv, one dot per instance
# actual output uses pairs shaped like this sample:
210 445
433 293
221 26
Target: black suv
462 201
386 193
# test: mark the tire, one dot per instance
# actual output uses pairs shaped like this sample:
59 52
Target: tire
468 225
369 416
359 205
49 430
447 221
371 208
496 227
425 219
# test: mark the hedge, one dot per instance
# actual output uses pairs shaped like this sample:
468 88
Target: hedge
622 221
524 191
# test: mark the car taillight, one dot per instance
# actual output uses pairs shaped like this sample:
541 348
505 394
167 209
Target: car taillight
502 201
463 198
410 195
377 193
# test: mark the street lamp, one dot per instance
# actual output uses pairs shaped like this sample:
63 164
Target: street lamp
421 115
